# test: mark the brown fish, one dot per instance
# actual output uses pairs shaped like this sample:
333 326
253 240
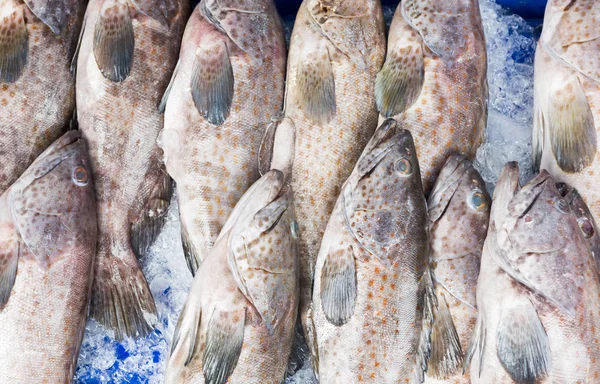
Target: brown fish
48 242
37 91
336 49
370 276
128 51
228 87
538 289
434 79
567 97
237 325
459 212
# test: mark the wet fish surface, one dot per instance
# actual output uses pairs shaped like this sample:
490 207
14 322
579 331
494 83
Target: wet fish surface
537 294
228 87
567 97
459 212
370 276
127 54
48 241
336 49
434 80
37 91
237 325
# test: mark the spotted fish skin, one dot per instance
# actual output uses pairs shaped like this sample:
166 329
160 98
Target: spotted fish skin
537 294
436 67
121 122
247 287
370 273
42 324
459 211
36 108
214 160
567 97
345 39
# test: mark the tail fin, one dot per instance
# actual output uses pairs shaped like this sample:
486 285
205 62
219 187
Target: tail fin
121 297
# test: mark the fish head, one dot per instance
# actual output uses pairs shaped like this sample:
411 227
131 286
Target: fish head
53 204
262 246
459 203
384 206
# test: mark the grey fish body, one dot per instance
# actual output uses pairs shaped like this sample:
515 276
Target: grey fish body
48 229
213 127
238 322
537 294
38 102
370 278
118 115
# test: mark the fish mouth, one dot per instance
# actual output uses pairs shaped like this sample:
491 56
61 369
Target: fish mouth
446 185
528 195
69 144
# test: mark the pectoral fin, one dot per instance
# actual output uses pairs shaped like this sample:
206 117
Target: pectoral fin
114 40
399 83
316 86
14 43
446 353
522 343
570 123
9 259
212 83
224 339
338 285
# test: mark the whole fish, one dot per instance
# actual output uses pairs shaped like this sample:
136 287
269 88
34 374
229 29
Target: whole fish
567 97
538 289
227 89
370 276
459 212
37 92
48 242
127 54
336 49
434 79
237 325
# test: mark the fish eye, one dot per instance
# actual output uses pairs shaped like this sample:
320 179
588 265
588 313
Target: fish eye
586 227
403 167
479 201
80 176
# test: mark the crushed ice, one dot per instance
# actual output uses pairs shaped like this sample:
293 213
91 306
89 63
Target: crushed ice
511 46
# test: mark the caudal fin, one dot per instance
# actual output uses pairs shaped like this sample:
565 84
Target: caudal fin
121 297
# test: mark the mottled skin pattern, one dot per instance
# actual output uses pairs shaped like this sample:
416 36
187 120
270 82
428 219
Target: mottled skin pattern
41 326
536 232
561 55
213 165
449 115
216 298
380 340
121 123
459 211
36 109
326 153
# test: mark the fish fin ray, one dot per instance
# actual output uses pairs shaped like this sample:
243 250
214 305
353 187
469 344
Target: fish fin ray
446 352
14 46
522 343
338 285
212 83
185 337
427 302
114 40
476 343
8 272
189 251
224 339
316 86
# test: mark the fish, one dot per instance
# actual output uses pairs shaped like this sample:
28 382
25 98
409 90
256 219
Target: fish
128 51
227 89
459 212
48 235
370 301
336 49
237 324
434 80
537 293
567 97
584 216
37 91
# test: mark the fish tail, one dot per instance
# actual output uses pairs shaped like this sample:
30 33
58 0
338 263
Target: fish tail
121 297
